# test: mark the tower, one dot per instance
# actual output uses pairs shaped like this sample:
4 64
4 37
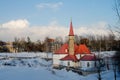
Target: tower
71 40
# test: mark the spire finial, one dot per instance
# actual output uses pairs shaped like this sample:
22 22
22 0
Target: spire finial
71 19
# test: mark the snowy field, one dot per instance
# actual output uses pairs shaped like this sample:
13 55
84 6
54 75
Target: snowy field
33 66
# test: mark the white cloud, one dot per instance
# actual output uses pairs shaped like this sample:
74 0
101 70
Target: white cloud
99 28
20 28
16 24
49 5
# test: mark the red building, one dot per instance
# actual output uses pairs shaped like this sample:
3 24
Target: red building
70 53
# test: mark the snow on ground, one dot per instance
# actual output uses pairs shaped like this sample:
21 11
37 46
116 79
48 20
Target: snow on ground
105 53
26 54
39 69
20 73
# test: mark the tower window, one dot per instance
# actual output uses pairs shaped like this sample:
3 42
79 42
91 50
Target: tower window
66 50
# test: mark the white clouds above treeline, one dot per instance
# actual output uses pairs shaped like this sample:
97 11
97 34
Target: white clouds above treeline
14 24
21 28
99 28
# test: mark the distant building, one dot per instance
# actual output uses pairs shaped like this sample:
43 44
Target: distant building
57 45
49 45
72 55
10 47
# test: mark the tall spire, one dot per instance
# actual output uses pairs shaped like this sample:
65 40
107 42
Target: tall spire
71 40
71 33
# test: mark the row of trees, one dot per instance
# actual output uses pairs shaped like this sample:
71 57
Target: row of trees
117 30
22 45
47 45
2 47
95 43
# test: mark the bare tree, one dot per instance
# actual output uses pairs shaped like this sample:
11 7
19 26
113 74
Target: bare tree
58 43
117 55
117 11
116 63
16 44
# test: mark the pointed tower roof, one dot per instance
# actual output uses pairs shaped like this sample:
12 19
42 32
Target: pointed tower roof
71 33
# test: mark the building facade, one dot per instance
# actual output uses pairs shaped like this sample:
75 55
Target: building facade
71 54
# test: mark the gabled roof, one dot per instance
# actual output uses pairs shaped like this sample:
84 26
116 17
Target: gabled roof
70 57
88 58
71 33
82 49
75 48
63 49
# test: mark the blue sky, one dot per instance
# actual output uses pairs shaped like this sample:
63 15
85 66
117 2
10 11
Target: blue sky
81 11
45 12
